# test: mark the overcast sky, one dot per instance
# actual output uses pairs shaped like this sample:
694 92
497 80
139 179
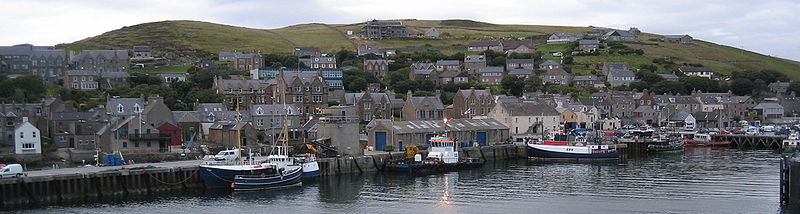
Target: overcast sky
768 26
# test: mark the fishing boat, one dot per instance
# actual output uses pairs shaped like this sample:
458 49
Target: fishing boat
559 147
790 143
286 171
705 140
443 157
310 166
665 145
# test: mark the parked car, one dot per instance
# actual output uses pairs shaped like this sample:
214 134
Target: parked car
11 171
768 128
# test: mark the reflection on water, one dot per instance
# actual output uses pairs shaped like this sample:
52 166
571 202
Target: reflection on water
699 180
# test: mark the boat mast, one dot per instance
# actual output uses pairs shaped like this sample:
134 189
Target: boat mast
238 130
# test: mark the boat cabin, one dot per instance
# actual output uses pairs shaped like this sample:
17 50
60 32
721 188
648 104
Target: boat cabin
443 149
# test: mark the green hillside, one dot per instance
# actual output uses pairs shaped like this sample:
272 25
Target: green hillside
194 38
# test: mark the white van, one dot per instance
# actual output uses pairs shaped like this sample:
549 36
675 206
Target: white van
227 155
11 171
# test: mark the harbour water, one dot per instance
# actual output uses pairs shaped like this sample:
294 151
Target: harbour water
699 180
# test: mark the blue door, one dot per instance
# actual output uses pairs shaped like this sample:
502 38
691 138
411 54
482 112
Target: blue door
380 140
400 144
428 138
481 138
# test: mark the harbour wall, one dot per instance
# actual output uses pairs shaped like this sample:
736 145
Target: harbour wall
122 184
790 181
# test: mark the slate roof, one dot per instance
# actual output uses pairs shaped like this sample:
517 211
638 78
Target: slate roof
694 69
474 58
448 63
449 74
668 76
768 105
478 92
679 116
305 77
622 100
349 98
367 49
622 73
107 54
485 43
588 42
227 84
187 116
73 116
274 109
520 71
556 72
128 105
549 62
431 126
80 73
621 33
417 101
519 61
422 66
529 109
585 78
206 107
594 102
492 69
644 109
674 36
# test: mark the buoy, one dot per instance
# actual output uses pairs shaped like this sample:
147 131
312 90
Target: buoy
233 185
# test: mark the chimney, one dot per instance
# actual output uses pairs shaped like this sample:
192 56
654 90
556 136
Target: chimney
24 119
409 95
438 93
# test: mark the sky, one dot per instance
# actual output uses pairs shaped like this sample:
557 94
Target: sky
767 26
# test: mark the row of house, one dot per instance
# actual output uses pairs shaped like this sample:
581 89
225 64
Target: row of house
50 63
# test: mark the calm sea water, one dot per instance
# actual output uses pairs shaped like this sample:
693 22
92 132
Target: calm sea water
701 180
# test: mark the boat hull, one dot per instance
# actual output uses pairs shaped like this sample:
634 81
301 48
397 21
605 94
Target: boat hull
707 143
311 170
257 182
222 177
412 167
663 148
537 153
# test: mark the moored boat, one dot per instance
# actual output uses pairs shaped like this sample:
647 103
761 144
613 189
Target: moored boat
442 157
560 148
310 166
705 140
790 143
666 145
282 177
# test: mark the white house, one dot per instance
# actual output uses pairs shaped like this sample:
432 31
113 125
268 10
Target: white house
526 118
27 138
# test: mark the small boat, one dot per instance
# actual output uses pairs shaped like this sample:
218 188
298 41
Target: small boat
665 145
705 140
560 148
282 177
442 157
790 143
310 166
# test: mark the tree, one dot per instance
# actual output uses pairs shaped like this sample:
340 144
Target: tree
742 86
513 85
668 87
357 84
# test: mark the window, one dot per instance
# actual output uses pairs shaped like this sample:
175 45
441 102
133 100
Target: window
33 135
297 88
260 122
317 89
298 99
120 108
308 88
21 134
28 146
148 144
136 108
136 144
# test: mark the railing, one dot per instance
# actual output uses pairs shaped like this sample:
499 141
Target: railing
153 136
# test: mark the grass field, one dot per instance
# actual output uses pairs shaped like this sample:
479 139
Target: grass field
206 39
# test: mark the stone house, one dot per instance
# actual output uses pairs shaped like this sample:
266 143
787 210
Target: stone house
384 29
270 118
495 46
81 79
421 71
719 118
526 118
369 106
645 115
622 106
432 33
585 81
100 60
167 78
319 62
614 66
779 87
769 110
448 65
619 35
240 93
473 63
469 103
388 135
557 76
563 38
25 59
369 49
491 75
242 61
142 52
549 64
423 108
681 39
519 63
681 119
307 91
521 73
588 45
377 67
232 134
520 48
620 77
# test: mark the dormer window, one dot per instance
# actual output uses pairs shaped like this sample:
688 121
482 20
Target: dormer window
120 108
136 108
259 111
211 117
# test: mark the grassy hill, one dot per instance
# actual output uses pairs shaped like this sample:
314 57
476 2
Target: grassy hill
196 38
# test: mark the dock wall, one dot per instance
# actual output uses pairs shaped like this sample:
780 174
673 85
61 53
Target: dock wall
66 189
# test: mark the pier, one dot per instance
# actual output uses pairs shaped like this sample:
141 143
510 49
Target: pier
752 141
90 184
790 180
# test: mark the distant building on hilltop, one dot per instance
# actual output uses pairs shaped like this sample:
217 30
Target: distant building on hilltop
380 29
